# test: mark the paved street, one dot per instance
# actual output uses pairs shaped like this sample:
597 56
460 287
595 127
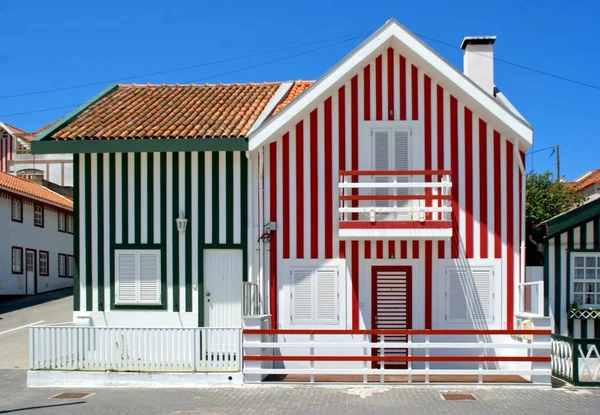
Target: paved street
17 314
15 398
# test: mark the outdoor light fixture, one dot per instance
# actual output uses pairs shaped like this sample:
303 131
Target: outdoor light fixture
181 222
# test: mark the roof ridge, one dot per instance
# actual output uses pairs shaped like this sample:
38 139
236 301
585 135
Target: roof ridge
191 84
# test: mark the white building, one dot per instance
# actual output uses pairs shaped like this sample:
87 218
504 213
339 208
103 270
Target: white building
36 248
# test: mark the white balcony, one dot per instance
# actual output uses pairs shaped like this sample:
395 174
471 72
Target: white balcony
395 204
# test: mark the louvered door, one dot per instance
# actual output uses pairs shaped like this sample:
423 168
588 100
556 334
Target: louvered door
391 289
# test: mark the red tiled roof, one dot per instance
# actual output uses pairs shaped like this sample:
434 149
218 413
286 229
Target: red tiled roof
296 89
20 133
586 180
172 111
18 184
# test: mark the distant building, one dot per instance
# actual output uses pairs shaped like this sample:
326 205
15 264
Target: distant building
588 183
16 158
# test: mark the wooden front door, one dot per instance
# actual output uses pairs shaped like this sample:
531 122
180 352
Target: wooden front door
391 288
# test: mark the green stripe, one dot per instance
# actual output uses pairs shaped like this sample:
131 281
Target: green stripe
557 292
76 207
88 232
215 197
244 211
175 209
570 246
229 197
100 204
583 236
584 330
113 228
124 197
547 279
201 236
163 227
150 203
597 233
188 233
138 196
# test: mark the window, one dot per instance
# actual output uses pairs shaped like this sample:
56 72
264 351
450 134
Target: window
62 265
17 210
69 223
43 263
585 277
38 216
137 277
70 266
62 225
17 260
315 296
469 294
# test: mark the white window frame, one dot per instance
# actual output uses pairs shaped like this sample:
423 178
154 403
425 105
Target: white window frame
595 281
69 223
38 216
62 221
415 145
19 212
43 259
62 265
138 301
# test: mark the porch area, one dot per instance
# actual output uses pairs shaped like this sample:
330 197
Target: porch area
576 361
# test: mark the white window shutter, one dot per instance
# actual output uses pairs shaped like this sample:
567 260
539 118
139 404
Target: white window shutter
149 270
401 159
483 279
326 296
302 296
381 152
456 300
126 273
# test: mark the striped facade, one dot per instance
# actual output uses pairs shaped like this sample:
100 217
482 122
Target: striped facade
584 237
6 150
131 201
302 173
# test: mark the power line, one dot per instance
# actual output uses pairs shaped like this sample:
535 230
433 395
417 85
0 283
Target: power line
518 65
39 110
183 68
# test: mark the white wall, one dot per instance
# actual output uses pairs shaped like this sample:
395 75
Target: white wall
26 235
50 164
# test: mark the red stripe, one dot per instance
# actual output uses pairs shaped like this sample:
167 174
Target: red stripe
354 123
402 88
273 241
379 248
367 249
468 183
403 249
436 224
391 249
378 89
415 92
342 127
270 358
328 172
414 332
314 186
497 199
390 83
455 167
510 224
483 210
285 195
440 147
367 92
355 320
415 249
521 215
428 144
300 190
428 280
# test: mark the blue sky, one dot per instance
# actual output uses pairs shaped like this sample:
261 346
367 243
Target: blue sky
55 44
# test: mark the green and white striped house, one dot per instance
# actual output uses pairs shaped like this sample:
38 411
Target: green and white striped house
145 157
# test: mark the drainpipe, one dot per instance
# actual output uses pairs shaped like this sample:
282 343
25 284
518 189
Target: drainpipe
260 225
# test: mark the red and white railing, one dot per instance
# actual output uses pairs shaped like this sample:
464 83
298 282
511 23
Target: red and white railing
395 195
471 354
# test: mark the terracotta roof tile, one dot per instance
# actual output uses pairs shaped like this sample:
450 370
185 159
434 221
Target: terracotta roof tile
172 111
296 89
18 184
20 133
586 180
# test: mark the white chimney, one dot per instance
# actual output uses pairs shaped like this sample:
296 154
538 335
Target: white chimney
478 60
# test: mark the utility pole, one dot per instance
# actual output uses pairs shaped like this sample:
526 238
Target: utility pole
557 163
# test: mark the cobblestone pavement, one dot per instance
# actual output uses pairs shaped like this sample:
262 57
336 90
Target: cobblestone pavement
16 399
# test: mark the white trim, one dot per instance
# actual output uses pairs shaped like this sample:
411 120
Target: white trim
584 280
379 234
275 99
392 32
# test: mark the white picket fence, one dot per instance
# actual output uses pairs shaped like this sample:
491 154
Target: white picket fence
135 349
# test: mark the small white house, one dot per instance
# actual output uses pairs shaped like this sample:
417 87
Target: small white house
36 247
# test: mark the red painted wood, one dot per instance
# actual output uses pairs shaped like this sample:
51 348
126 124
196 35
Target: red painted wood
483 183
391 249
379 249
415 249
367 249
354 140
328 185
355 310
440 147
397 197
285 195
390 84
403 249
428 143
378 88
416 332
300 190
468 167
497 198
367 93
428 282
314 186
510 233
273 241
415 92
342 128
455 181
439 224
402 88
395 172
259 358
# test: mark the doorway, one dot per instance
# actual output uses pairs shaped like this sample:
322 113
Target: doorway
223 272
31 271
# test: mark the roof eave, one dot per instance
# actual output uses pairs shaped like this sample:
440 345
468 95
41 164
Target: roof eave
565 221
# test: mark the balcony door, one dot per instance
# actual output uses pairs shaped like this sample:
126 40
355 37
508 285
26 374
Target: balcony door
391 151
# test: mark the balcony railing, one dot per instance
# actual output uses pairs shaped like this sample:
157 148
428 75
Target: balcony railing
395 198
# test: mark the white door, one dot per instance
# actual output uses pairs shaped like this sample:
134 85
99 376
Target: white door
30 272
223 270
